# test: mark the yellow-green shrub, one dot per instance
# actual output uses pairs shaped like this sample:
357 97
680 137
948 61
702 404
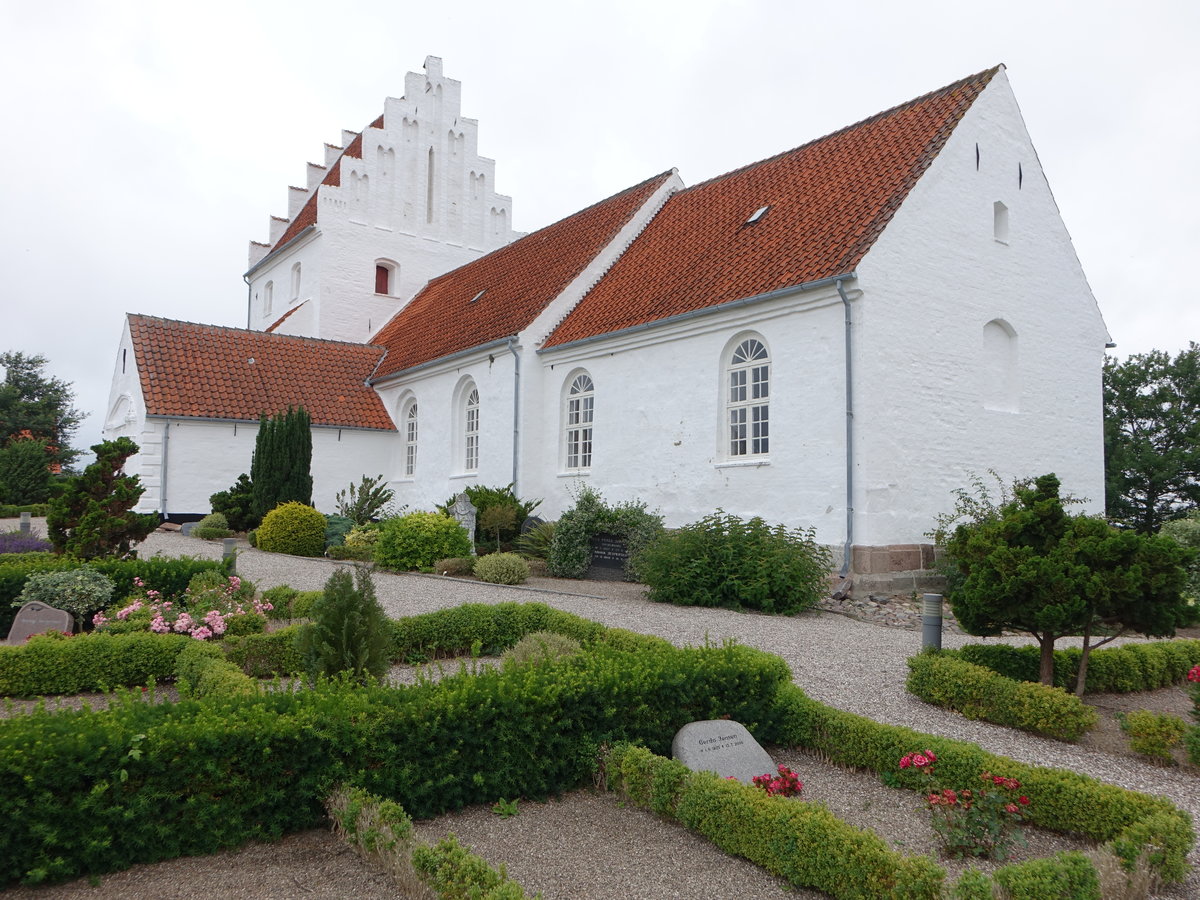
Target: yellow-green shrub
293 528
416 540
501 568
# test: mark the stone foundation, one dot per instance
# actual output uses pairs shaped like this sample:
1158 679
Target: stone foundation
894 569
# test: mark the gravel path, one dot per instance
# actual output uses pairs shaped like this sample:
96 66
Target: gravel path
846 663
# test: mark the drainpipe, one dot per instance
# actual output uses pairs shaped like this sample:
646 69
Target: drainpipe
512 341
249 299
849 434
162 481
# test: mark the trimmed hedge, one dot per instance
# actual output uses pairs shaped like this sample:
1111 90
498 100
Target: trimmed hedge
454 871
36 510
1117 670
980 693
61 664
169 576
201 670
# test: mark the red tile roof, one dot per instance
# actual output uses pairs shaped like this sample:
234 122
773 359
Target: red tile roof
275 325
213 372
308 213
829 200
517 281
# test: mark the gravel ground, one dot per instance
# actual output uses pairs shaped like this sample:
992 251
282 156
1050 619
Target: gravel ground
586 846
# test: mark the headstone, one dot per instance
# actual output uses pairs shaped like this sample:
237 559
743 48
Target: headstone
229 552
187 528
530 523
26 522
724 747
464 511
609 556
35 618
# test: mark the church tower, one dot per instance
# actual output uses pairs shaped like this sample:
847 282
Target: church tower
405 200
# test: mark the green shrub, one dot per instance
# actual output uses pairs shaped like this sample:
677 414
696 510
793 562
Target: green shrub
281 467
571 546
458 567
236 504
1133 667
501 568
380 830
978 693
25 471
458 874
252 538
46 664
81 592
293 528
1153 734
201 670
1067 876
349 632
1186 531
266 655
211 582
484 499
280 597
336 529
13 511
416 540
370 500
972 885
540 646
536 541
726 561
211 527
303 603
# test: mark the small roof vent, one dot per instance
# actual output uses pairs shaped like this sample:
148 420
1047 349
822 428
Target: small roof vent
477 296
757 214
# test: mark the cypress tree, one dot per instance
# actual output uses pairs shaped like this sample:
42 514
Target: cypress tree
281 469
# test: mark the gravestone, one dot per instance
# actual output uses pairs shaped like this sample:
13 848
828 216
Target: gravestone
464 511
609 555
724 747
36 618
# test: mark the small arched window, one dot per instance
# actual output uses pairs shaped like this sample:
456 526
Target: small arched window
296 281
410 439
268 297
577 422
386 277
470 420
747 399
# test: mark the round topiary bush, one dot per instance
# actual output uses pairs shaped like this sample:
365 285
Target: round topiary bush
293 528
419 539
501 568
540 646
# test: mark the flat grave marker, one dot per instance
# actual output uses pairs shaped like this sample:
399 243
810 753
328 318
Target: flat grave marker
722 746
35 618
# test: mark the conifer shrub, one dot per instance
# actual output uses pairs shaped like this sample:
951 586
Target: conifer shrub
281 468
237 504
293 528
25 472
349 631
735 563
336 529
501 568
212 527
417 540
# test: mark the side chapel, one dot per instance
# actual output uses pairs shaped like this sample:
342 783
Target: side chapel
836 337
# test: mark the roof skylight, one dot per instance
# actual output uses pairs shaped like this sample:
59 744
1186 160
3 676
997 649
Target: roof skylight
477 296
757 214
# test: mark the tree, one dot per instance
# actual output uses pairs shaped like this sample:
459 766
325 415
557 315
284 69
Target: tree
1034 568
1152 437
25 472
94 516
349 630
33 405
280 470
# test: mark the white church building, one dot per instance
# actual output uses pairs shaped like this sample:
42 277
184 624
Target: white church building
836 337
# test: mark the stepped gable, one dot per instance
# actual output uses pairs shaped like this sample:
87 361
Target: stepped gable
498 295
827 201
308 213
214 372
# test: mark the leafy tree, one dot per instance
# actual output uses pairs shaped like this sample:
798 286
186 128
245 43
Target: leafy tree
349 632
24 472
94 516
35 405
281 469
1034 568
1152 437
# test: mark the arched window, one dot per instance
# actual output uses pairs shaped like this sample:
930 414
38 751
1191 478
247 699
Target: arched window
386 277
268 297
410 439
296 281
747 404
470 420
577 422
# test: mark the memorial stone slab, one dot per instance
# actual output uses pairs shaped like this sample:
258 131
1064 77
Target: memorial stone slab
721 746
609 556
36 618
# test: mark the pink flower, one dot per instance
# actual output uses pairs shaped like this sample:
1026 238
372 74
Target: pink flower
201 633
1010 808
159 625
99 619
1194 674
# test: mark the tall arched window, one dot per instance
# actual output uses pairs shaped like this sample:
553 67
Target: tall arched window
410 439
471 430
747 404
296 281
577 422
268 297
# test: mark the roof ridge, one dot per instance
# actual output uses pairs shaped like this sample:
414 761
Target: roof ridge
869 120
272 335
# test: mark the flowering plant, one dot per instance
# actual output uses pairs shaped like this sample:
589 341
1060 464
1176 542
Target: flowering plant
1194 674
983 822
785 784
205 615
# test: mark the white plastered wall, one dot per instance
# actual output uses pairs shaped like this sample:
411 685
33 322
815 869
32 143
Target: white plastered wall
927 409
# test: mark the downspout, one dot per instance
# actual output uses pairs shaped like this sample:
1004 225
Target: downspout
516 413
849 434
162 481
249 299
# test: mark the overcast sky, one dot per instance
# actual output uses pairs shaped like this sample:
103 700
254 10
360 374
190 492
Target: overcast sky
145 143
